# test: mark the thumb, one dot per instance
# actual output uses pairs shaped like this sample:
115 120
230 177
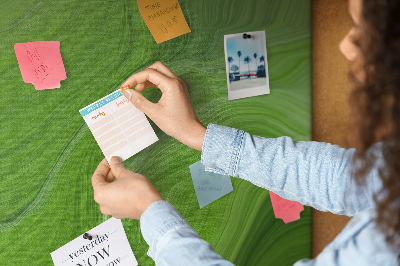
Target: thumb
99 176
138 100
116 166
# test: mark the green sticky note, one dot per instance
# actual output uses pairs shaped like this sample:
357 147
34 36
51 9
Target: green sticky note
209 186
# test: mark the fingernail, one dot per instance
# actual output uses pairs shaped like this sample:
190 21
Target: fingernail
125 87
115 160
128 94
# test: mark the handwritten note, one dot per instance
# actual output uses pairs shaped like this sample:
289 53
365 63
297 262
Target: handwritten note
284 209
118 126
108 246
209 186
41 63
164 18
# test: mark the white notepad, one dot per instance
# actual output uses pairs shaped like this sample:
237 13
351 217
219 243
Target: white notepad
118 126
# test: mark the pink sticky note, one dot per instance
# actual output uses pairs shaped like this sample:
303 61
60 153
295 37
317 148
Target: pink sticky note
284 209
41 63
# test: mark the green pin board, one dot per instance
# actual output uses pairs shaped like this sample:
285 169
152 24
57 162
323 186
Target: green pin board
48 154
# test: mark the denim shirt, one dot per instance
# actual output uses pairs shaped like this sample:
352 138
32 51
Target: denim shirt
312 173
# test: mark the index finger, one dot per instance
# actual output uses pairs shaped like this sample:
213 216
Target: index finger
160 67
158 79
100 174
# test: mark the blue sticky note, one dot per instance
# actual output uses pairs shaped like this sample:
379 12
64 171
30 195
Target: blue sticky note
209 186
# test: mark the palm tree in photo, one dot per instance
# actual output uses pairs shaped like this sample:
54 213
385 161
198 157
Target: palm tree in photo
239 54
247 60
234 68
264 72
230 60
262 59
255 58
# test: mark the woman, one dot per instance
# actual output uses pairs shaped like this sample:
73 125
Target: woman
316 174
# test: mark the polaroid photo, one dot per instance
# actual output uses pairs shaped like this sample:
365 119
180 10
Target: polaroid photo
246 64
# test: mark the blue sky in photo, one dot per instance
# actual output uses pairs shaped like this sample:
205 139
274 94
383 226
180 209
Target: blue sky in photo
248 47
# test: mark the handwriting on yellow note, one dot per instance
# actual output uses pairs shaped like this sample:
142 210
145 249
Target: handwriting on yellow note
164 18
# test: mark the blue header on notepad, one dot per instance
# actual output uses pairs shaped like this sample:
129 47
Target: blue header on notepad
101 103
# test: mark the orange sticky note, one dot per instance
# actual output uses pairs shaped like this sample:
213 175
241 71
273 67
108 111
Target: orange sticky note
284 209
164 18
41 63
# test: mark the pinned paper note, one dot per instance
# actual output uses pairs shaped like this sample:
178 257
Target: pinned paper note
209 186
41 63
118 126
284 209
164 18
108 246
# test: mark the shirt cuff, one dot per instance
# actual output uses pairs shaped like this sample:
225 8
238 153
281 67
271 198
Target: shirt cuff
158 219
222 148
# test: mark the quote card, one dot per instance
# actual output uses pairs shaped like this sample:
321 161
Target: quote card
164 18
109 246
118 126
284 209
209 186
41 63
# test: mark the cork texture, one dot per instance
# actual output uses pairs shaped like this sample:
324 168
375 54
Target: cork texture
331 90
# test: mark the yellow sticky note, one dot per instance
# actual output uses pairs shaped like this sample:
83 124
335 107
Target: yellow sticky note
164 18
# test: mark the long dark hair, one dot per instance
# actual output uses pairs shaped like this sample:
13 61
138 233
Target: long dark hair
376 107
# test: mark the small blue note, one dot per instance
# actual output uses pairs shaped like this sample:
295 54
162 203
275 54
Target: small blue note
209 186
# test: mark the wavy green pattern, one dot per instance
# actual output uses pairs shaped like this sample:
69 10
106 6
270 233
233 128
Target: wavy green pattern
47 153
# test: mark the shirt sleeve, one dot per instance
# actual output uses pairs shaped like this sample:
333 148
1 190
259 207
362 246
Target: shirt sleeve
360 243
313 173
172 241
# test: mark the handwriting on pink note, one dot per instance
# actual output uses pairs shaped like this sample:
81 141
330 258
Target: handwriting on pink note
284 209
41 63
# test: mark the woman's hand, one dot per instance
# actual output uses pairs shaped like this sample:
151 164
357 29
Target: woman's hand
173 113
128 196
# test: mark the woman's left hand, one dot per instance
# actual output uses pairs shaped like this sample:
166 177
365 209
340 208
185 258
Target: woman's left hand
128 196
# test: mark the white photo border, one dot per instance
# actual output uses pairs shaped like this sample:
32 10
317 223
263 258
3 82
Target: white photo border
248 92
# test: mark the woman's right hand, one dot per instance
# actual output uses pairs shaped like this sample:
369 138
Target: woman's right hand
173 113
